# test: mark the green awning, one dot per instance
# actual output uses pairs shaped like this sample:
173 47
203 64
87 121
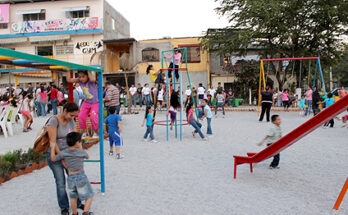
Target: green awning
13 40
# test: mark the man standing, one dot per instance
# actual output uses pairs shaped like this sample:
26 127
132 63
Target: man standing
230 96
219 88
112 98
17 91
133 94
200 92
30 89
266 103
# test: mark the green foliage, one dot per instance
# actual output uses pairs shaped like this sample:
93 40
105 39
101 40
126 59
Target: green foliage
281 28
340 71
12 161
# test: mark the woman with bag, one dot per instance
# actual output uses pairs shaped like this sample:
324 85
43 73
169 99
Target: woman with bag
58 127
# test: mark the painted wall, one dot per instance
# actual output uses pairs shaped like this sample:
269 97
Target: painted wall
22 80
54 10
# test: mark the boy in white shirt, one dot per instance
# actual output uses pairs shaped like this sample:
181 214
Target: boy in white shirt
146 94
133 93
188 95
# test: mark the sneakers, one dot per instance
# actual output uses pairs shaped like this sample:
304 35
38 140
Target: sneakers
84 135
65 211
154 141
25 130
95 135
87 213
205 139
274 167
145 140
111 153
118 156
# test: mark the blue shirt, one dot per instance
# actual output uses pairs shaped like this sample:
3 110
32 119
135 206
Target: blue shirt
209 114
329 101
112 120
149 120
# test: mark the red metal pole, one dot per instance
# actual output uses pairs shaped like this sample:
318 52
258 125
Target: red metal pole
296 58
71 89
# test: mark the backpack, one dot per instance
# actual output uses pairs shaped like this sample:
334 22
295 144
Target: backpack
42 141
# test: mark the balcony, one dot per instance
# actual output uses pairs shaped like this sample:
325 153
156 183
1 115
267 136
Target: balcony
37 26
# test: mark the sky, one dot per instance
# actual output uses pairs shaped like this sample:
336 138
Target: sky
154 19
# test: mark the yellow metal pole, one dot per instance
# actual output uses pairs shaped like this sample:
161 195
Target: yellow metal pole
263 75
16 80
260 82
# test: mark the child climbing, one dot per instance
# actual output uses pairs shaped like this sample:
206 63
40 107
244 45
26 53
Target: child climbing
174 107
273 135
174 64
156 77
90 106
114 122
149 123
191 119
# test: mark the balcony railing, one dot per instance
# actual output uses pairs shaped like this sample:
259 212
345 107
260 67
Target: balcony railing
86 23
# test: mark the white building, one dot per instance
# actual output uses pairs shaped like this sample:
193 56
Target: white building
68 30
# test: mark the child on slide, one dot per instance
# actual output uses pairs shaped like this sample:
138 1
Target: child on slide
273 135
90 106
174 107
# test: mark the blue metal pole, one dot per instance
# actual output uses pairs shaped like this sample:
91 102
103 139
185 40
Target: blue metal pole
174 79
315 74
101 131
322 76
167 92
180 94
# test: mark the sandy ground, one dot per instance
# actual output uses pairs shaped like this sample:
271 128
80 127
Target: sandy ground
196 177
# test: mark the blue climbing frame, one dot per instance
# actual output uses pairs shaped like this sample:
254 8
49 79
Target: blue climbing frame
15 58
168 84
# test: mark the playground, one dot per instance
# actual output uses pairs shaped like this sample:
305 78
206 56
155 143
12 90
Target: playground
196 177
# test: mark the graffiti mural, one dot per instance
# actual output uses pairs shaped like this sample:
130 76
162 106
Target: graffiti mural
88 47
55 25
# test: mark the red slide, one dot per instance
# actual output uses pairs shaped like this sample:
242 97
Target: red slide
292 137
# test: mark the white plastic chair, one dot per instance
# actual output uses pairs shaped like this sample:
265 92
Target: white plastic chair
3 120
12 115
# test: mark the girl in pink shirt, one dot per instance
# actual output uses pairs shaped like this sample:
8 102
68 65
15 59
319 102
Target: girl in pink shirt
174 64
43 100
285 100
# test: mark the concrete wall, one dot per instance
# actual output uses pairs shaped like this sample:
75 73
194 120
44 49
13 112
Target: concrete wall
115 25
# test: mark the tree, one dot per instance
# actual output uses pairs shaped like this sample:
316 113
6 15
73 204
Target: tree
281 28
340 71
126 67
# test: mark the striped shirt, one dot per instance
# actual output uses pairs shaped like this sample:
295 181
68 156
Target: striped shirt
112 93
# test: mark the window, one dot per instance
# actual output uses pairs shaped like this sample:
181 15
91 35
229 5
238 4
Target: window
113 24
64 50
79 14
150 55
44 50
193 53
34 16
3 25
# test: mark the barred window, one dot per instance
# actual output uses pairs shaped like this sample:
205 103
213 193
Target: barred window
150 55
193 53
64 50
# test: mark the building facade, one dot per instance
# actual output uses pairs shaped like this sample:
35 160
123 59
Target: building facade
68 30
148 52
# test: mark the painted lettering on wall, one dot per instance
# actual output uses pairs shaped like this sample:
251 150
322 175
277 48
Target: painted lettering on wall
55 25
89 47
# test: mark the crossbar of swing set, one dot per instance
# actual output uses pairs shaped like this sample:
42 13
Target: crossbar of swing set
296 58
